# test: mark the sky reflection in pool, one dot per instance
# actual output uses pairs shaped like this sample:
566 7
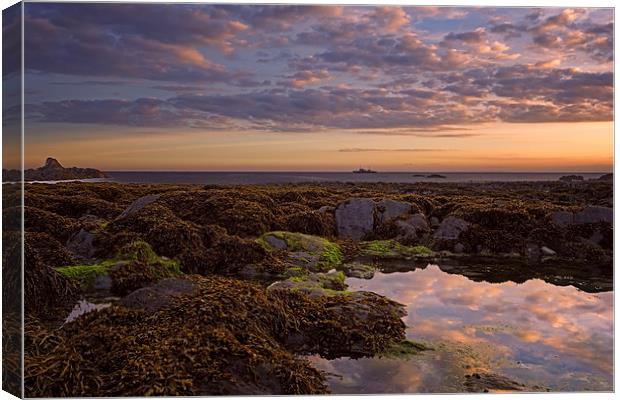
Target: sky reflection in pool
536 333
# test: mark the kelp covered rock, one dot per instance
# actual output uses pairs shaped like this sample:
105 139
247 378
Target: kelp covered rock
348 324
226 338
44 288
313 284
136 265
309 252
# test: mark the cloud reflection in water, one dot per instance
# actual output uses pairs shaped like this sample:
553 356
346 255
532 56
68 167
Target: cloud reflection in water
536 333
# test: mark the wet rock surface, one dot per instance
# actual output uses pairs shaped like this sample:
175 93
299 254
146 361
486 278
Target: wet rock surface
81 244
355 218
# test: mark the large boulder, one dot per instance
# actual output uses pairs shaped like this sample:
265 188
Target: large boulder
589 215
160 295
389 210
562 218
81 244
355 218
593 214
412 228
451 228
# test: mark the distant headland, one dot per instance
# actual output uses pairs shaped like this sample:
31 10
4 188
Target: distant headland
52 171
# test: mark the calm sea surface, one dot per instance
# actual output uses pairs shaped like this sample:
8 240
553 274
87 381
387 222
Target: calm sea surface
233 178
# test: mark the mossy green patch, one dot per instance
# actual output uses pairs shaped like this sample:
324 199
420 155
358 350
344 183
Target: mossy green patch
326 254
422 251
86 274
142 251
332 254
393 249
315 284
137 251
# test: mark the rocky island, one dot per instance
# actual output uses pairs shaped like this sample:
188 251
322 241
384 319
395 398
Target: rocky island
135 289
52 171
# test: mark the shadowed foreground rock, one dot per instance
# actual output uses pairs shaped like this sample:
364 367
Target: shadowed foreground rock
206 336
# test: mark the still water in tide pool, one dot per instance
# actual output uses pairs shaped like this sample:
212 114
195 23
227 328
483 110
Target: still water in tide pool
538 334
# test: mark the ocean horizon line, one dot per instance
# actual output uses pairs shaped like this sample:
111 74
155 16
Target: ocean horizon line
350 171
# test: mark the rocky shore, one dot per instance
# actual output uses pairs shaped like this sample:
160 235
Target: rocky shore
52 170
201 290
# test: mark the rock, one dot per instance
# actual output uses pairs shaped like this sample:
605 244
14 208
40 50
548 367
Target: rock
412 228
84 307
393 249
312 253
53 171
571 178
547 251
562 218
355 218
389 210
434 222
81 244
359 270
484 382
313 284
589 215
596 238
459 248
593 214
138 205
160 295
102 282
275 242
358 324
450 228
532 251
327 209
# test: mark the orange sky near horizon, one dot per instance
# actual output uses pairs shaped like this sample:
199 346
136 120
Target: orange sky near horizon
501 147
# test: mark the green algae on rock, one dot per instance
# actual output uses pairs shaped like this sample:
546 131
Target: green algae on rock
393 249
312 252
314 284
359 270
135 265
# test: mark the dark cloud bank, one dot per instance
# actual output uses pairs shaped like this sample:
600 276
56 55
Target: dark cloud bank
367 69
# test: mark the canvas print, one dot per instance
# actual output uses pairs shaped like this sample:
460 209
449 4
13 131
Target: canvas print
241 199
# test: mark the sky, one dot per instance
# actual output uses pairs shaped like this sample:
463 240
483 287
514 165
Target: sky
318 88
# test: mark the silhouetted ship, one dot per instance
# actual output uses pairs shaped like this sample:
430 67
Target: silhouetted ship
364 171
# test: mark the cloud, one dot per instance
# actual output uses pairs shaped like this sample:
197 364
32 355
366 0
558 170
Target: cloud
11 42
155 42
390 18
523 93
307 68
279 17
306 78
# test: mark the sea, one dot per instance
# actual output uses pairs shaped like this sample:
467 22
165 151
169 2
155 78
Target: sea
238 178
246 178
